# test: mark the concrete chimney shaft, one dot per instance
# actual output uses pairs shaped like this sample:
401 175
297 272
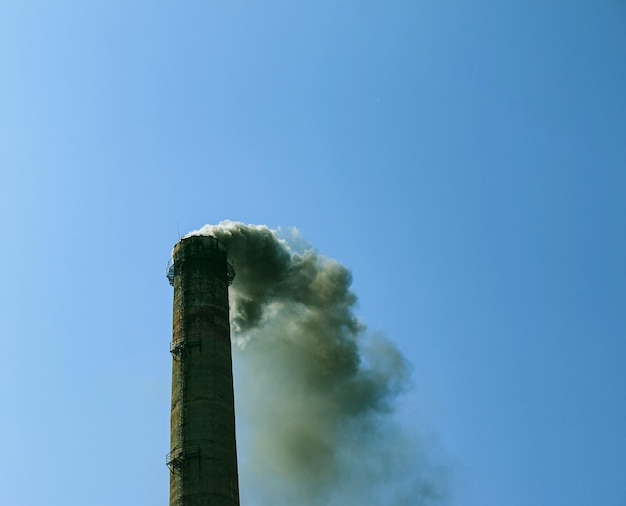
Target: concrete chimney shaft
203 455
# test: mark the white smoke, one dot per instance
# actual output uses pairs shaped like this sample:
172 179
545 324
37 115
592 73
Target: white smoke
316 391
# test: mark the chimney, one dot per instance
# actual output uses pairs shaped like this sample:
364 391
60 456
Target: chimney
203 455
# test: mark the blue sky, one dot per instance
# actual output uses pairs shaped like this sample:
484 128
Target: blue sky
465 160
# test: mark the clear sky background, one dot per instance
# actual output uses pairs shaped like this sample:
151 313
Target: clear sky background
466 160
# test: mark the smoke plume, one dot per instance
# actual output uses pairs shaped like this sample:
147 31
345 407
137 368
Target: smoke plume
315 391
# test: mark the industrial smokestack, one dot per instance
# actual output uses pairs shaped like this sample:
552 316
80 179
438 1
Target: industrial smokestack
203 456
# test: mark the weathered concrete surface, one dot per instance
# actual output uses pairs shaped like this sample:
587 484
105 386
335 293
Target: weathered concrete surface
203 413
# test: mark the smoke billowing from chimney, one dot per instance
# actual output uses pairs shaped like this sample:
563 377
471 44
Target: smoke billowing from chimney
315 389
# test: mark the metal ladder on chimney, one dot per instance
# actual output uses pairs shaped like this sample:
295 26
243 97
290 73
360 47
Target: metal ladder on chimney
176 459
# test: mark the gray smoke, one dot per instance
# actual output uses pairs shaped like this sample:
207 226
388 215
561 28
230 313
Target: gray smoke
316 390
